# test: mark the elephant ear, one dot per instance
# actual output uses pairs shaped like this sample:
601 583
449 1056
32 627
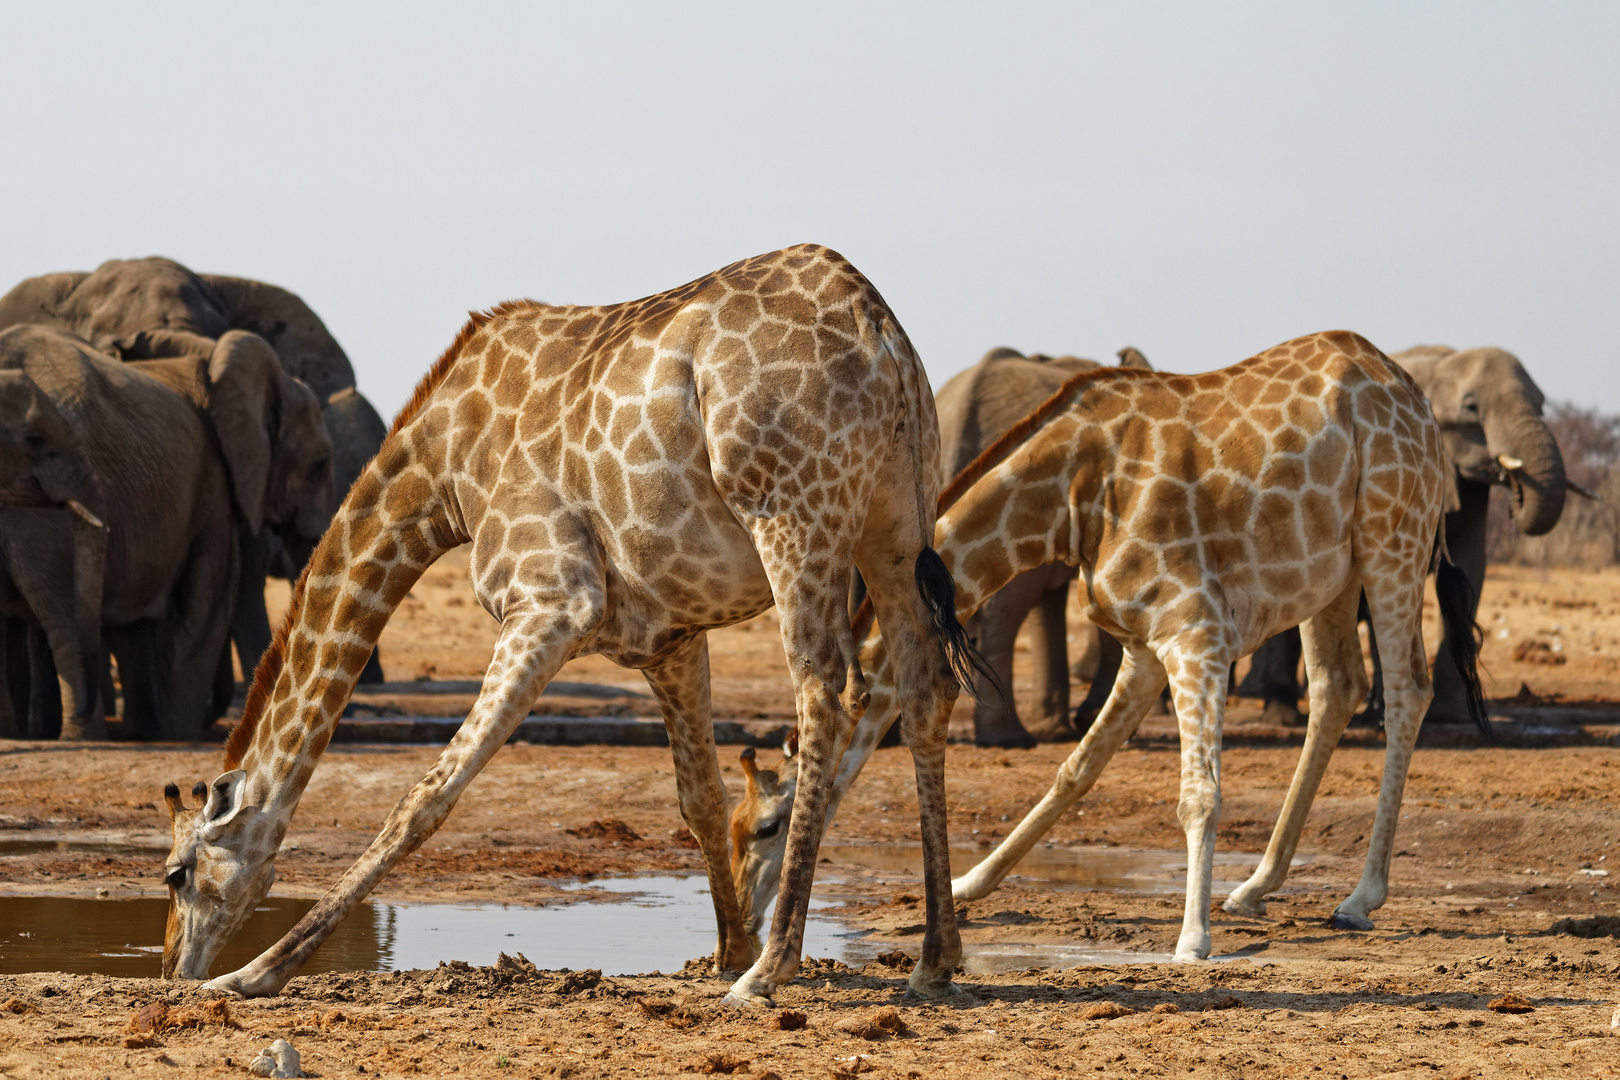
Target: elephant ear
246 385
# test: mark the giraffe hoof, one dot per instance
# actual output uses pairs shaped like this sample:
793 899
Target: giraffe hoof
737 1000
223 985
1235 906
1343 920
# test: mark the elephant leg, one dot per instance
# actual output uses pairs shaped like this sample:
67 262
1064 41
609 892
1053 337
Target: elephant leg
372 673
10 728
995 627
1465 540
250 622
44 694
109 690
1274 678
1049 647
143 650
201 632
1109 655
224 686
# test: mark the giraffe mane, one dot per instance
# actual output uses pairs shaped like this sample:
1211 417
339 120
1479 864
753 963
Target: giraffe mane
996 453
275 657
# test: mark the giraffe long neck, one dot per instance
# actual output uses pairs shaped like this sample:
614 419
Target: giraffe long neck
392 526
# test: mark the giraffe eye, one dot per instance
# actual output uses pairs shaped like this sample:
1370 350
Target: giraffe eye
176 878
768 829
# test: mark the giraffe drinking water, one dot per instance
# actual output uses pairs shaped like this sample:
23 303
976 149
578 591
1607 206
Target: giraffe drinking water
628 476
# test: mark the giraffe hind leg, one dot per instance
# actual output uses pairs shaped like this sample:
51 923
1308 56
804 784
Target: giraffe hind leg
1338 680
1395 601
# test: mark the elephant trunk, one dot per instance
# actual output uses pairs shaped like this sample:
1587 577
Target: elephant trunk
1528 455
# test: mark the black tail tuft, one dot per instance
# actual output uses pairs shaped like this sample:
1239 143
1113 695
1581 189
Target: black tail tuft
1456 596
938 592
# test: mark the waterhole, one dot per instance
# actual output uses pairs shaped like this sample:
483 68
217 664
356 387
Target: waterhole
661 923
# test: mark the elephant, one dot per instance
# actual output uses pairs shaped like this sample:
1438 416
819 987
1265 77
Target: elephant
180 451
1489 411
975 408
122 299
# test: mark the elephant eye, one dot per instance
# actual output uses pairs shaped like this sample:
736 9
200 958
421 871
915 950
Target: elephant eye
768 829
176 878
34 440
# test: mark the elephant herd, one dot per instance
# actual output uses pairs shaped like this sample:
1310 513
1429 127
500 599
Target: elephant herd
1489 412
167 440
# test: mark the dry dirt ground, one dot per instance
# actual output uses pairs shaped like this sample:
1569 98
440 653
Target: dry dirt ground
1500 887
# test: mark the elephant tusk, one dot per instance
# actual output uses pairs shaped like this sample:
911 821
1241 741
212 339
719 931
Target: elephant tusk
1511 464
79 508
1582 491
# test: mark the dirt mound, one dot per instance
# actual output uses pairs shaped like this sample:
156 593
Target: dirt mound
1595 926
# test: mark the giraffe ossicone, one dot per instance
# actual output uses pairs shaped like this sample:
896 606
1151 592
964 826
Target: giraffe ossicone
1205 513
628 476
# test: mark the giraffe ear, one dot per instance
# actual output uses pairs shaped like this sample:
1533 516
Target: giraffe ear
224 802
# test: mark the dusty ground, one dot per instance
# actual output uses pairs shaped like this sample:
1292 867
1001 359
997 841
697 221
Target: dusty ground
1499 887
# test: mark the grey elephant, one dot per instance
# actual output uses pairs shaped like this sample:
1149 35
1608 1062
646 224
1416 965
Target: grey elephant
1489 411
975 408
122 300
182 450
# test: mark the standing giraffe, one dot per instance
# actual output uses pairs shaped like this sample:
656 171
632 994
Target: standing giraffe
1205 512
629 476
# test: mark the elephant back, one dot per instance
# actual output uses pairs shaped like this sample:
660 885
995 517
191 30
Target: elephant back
977 405
307 348
124 297
38 300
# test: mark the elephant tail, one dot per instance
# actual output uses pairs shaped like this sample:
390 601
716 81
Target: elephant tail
1456 596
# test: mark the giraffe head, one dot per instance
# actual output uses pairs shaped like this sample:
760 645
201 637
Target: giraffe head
759 829
218 871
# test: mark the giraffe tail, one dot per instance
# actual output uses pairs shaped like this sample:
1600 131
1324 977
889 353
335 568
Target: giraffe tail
1456 596
934 582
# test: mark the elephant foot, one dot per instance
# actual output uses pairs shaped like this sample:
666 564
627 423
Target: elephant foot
1051 729
1283 713
1003 736
1344 920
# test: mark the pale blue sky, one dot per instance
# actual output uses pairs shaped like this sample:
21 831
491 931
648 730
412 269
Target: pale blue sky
1199 180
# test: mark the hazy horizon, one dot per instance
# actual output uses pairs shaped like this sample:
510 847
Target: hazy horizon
1198 182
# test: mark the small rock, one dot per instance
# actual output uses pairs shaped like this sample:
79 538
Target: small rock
279 1059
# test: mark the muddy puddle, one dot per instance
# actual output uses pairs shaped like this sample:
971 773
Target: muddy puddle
642 924
1110 869
657 923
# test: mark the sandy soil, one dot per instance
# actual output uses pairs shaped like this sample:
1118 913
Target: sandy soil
1498 888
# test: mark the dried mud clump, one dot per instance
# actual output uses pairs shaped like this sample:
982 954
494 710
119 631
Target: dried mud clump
1222 1003
894 958
609 829
14 1005
885 1023
1531 651
151 1017
1511 1003
711 1064
1105 1010
789 1020
1594 927
680 1015
812 968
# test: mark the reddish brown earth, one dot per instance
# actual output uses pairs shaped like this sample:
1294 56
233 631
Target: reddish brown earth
1499 873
